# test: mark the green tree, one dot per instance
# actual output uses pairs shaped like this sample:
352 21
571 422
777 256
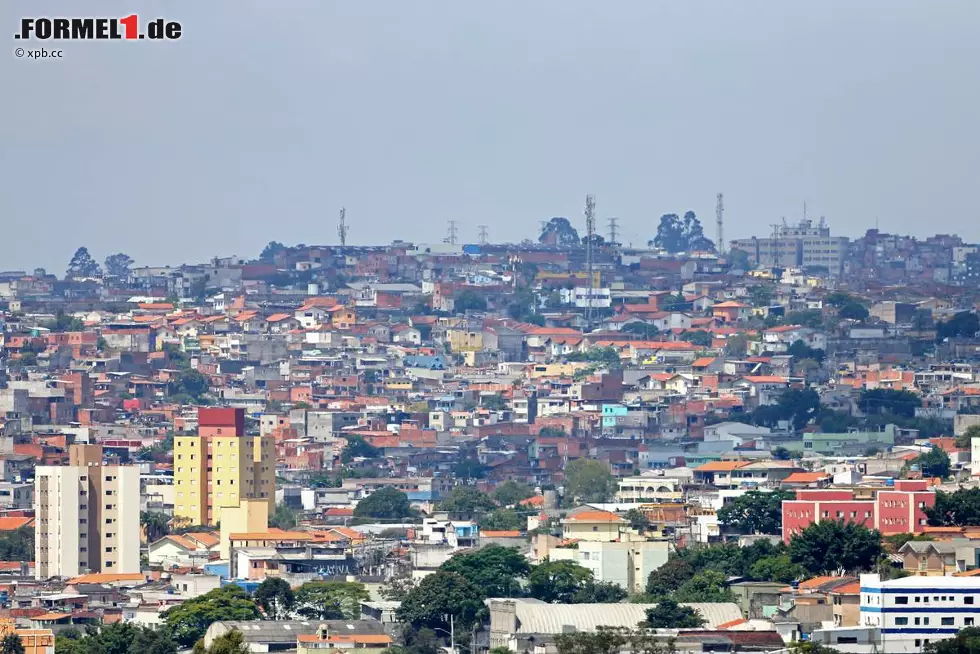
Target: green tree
17 545
737 345
468 300
780 453
681 235
192 383
588 480
11 644
964 324
115 638
559 231
801 351
497 570
155 524
83 265
232 642
669 577
637 519
965 440
470 468
886 400
466 499
778 568
854 311
698 337
668 614
612 640
283 518
557 582
118 265
838 299
934 463
807 647
755 512
440 595
384 504
189 620
512 492
358 448
503 520
276 598
705 586
270 251
966 641
956 509
826 546
331 600
599 592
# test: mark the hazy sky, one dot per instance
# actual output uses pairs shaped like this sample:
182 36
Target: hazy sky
266 117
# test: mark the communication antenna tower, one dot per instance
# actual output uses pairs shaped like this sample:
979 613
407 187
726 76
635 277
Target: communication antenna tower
589 254
483 234
719 215
342 227
451 237
775 244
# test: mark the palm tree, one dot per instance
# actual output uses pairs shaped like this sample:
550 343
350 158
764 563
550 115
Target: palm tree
155 525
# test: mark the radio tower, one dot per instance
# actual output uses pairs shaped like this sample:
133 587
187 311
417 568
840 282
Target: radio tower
589 255
451 238
342 227
483 234
719 215
613 231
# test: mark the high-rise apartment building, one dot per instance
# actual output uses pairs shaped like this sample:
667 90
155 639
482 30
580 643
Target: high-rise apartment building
796 246
220 466
87 516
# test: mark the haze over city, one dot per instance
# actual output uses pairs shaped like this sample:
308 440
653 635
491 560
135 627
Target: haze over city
265 118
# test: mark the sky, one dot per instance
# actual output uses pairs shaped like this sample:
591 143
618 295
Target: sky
266 117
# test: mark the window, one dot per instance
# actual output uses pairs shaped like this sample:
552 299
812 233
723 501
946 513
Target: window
925 621
918 621
918 642
901 622
967 622
948 622
847 640
901 599
968 599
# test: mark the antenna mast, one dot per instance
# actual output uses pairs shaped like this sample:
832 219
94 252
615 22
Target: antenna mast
451 238
589 254
483 234
342 227
719 215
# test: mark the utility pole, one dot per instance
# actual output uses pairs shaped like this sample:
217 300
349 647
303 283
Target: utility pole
342 227
614 231
483 234
589 255
719 215
451 238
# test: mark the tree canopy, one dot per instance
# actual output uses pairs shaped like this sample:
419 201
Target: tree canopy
276 598
681 235
466 499
755 512
497 570
934 463
83 265
559 231
827 546
966 641
964 324
956 509
384 504
886 400
512 492
469 300
557 582
189 620
668 614
439 595
588 480
358 448
118 265
115 638
331 600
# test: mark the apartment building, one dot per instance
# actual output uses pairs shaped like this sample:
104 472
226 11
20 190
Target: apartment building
221 465
796 246
914 611
87 516
898 509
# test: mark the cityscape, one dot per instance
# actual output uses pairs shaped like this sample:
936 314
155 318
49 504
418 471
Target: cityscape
488 446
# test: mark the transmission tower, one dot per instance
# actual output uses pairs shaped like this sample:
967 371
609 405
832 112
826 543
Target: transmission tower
614 231
451 237
719 215
589 255
342 227
483 234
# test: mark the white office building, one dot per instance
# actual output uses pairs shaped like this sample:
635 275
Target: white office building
912 612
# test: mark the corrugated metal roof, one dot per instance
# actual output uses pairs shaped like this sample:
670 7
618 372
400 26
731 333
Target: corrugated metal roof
535 617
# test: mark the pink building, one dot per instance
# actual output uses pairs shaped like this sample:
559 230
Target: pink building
899 509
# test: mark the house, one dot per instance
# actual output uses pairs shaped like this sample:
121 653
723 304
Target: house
718 473
731 311
190 550
941 557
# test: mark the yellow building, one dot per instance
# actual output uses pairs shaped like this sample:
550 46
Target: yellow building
221 466
249 517
597 526
35 641
464 340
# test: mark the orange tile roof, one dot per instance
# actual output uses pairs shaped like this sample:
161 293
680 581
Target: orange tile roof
765 379
10 524
721 466
504 533
51 617
853 588
595 516
732 623
806 477
703 362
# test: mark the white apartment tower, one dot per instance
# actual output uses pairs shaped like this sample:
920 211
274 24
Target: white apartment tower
87 516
